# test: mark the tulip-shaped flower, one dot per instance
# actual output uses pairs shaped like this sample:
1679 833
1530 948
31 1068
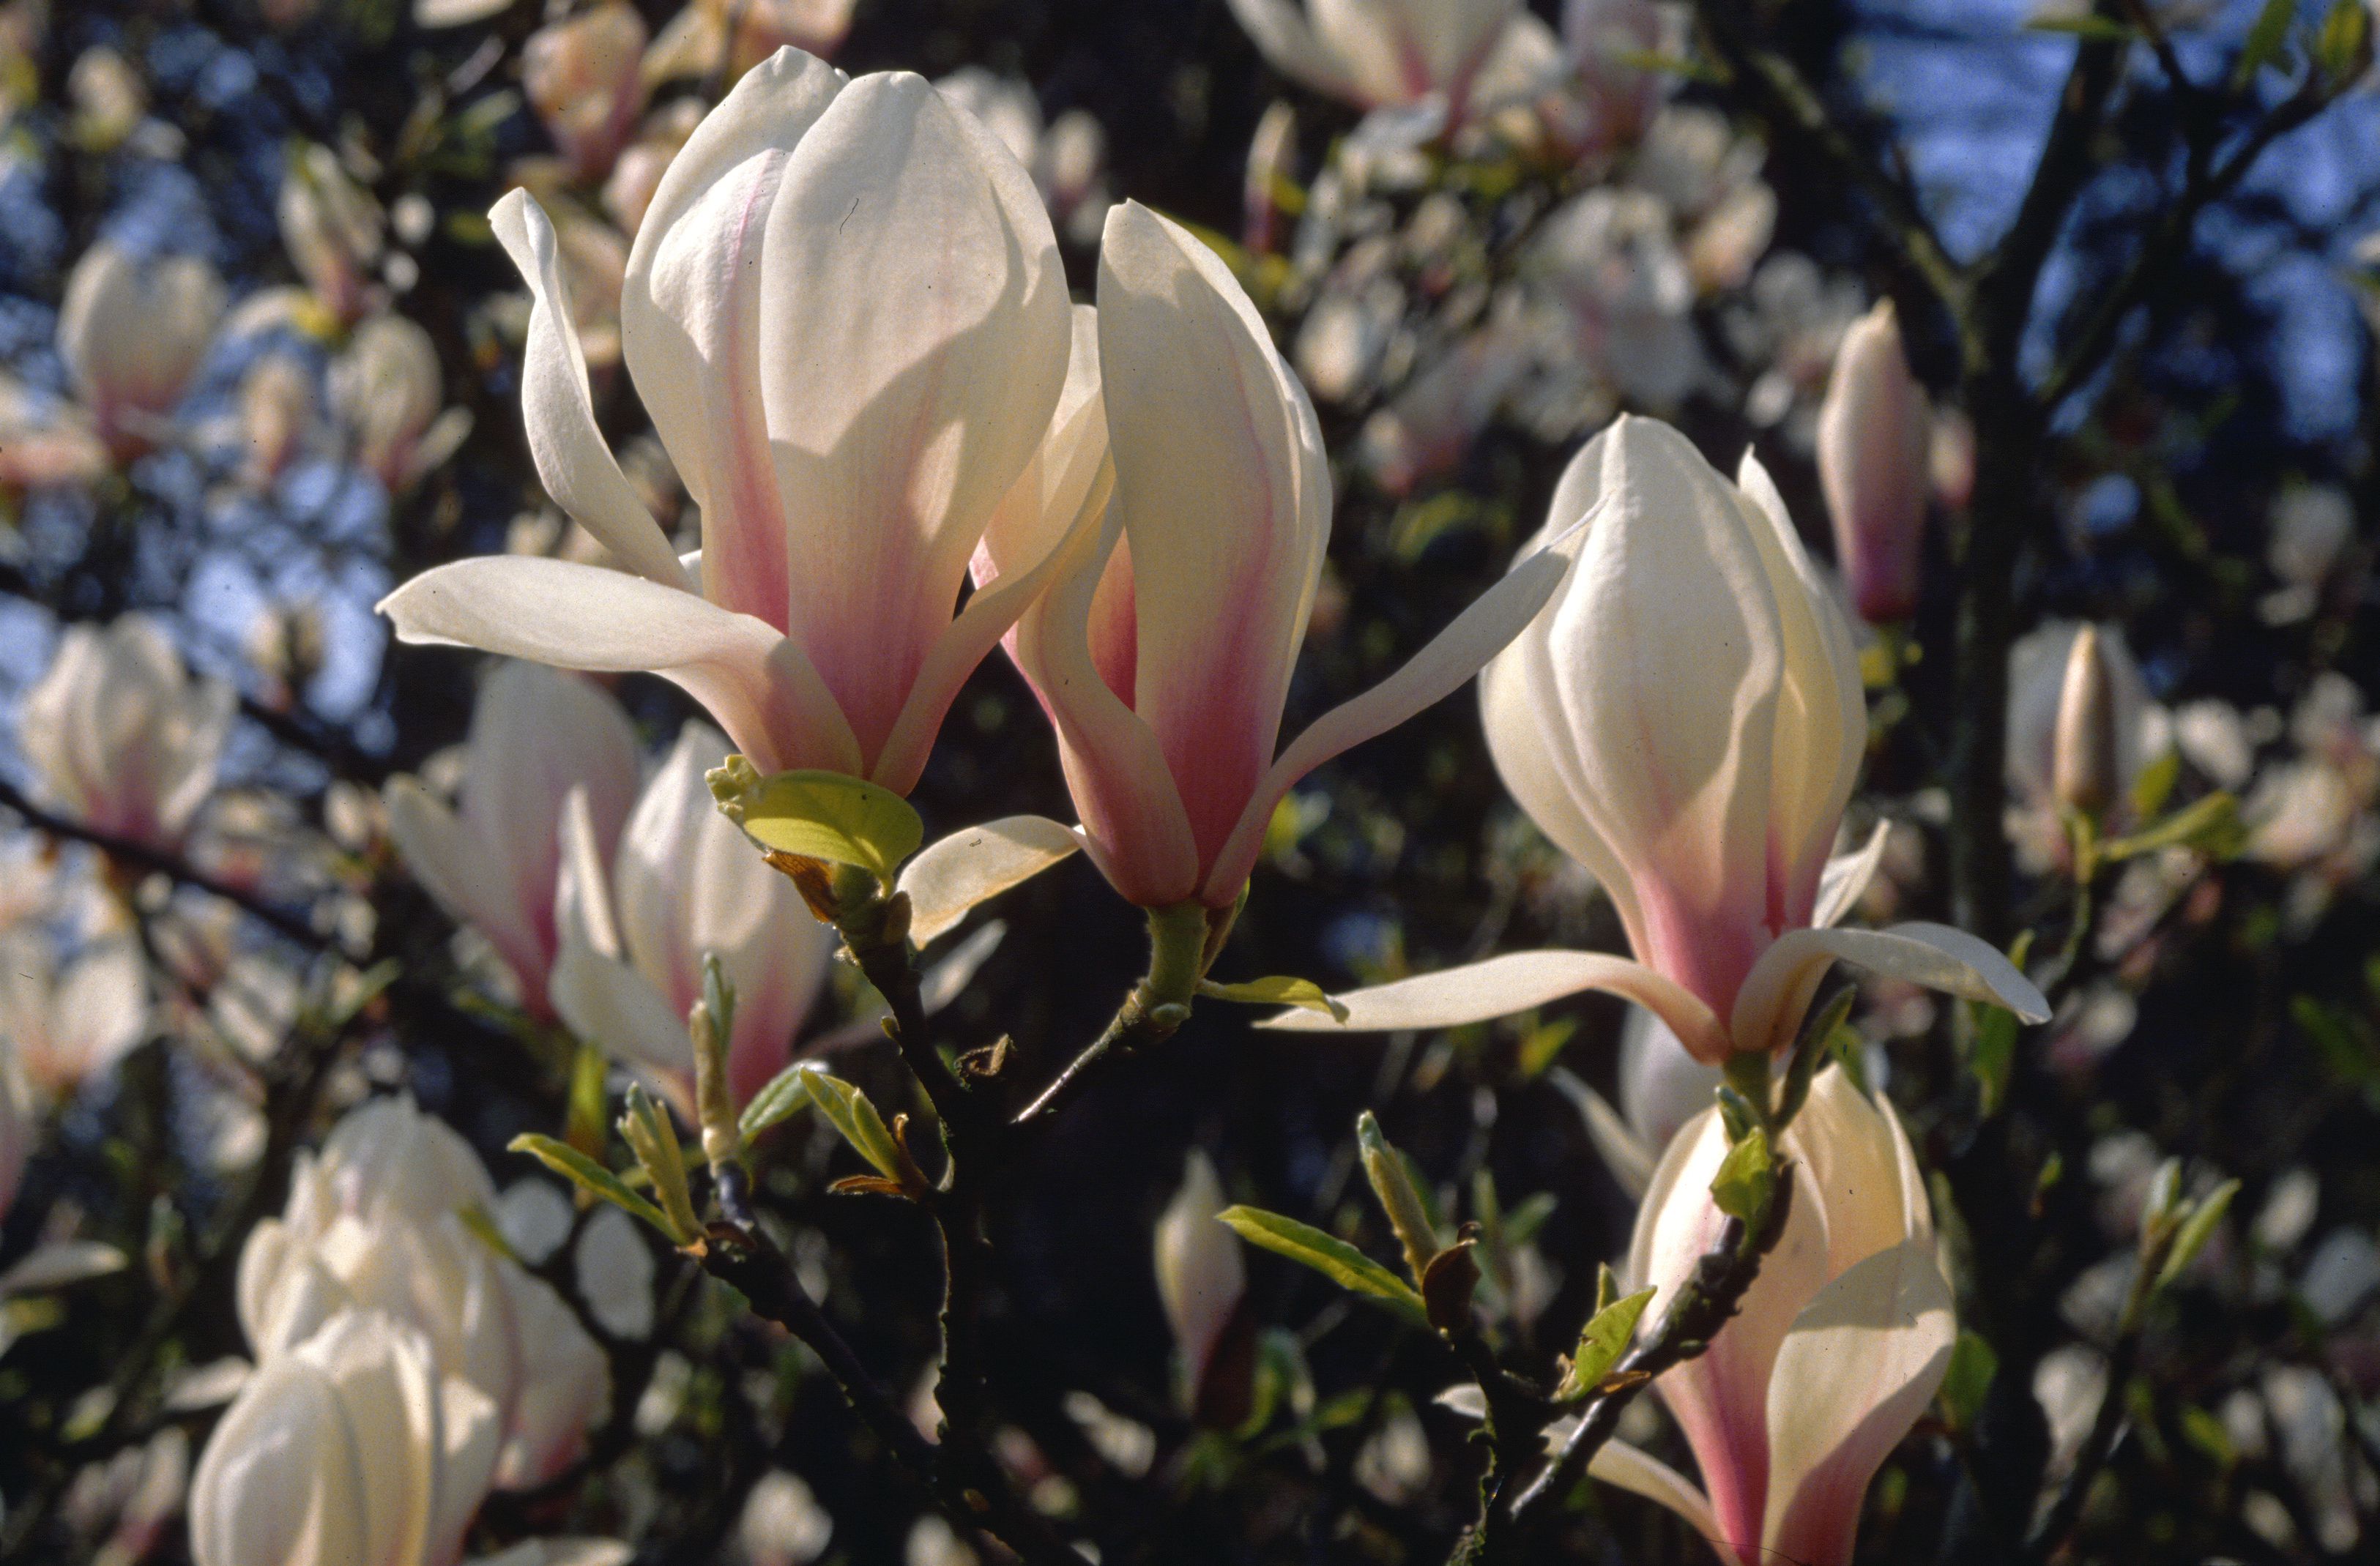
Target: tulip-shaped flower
119 734
1686 719
1876 456
1200 1275
1840 1344
71 1024
584 77
375 1221
132 333
685 883
1392 53
1164 652
846 313
535 736
386 390
333 230
355 1448
2121 732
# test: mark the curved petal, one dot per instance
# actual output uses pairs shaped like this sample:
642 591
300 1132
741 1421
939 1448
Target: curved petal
1860 1365
460 874
914 327
1282 34
756 682
572 458
1778 991
1225 496
690 322
955 873
1846 877
1451 656
616 1009
1500 986
1640 1473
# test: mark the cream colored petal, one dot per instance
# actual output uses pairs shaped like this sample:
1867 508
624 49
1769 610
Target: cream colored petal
1859 1366
279 1480
616 1008
976 864
913 333
1281 33
1640 1473
102 1005
1455 655
1623 1153
1778 991
757 683
1846 879
571 458
458 871
1501 985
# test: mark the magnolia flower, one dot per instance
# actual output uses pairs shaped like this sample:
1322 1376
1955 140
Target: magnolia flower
120 736
1837 1347
1200 1275
333 229
697 42
374 1223
1609 262
637 172
535 736
1393 54
583 75
276 410
72 1025
1163 654
132 333
1613 96
1686 722
355 1449
1875 440
2038 664
45 442
847 314
684 883
386 389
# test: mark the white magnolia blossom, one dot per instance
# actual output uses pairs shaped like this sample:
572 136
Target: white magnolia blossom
847 314
1200 1275
1686 719
584 77
132 332
683 883
536 736
1876 454
1397 53
2038 673
697 40
119 734
333 230
386 390
1837 1349
374 1223
70 1022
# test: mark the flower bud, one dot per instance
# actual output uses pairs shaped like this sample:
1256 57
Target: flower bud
120 736
2085 770
582 76
333 229
109 99
276 408
1200 1275
386 389
1272 154
1874 459
132 333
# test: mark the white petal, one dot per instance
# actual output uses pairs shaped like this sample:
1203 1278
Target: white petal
757 683
615 1275
1501 985
1640 1473
458 871
59 1265
1778 991
1860 1365
1847 875
978 864
577 465
616 1008
1481 632
1629 1159
1280 31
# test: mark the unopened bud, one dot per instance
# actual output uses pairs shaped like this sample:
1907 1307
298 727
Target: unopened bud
2084 773
710 1024
1385 1167
1875 436
1269 154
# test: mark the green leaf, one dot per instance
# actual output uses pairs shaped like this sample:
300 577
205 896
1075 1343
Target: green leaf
2211 825
1543 1044
1747 1183
856 1117
2195 1230
2101 28
1392 1182
1276 991
2264 41
829 816
1972 1364
1601 1345
589 1176
1991 1053
1810 1051
2344 46
2205 1432
1332 1257
784 1094
2154 786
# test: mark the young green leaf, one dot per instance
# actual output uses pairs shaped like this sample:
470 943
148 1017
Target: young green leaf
2210 825
1601 1345
784 1094
1991 1053
2265 40
1276 991
1332 1257
1400 1197
1746 1184
2195 1230
844 821
649 1132
1972 1364
594 1178
856 1118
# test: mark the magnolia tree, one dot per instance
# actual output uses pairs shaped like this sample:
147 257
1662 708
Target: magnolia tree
1423 780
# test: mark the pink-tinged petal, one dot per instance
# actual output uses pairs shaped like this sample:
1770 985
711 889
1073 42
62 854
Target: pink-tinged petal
582 895
1501 985
690 326
1874 445
913 335
1846 877
1056 502
1778 989
1640 1473
619 1011
1282 35
1859 1366
954 874
456 869
1453 656
576 466
1225 497
756 682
